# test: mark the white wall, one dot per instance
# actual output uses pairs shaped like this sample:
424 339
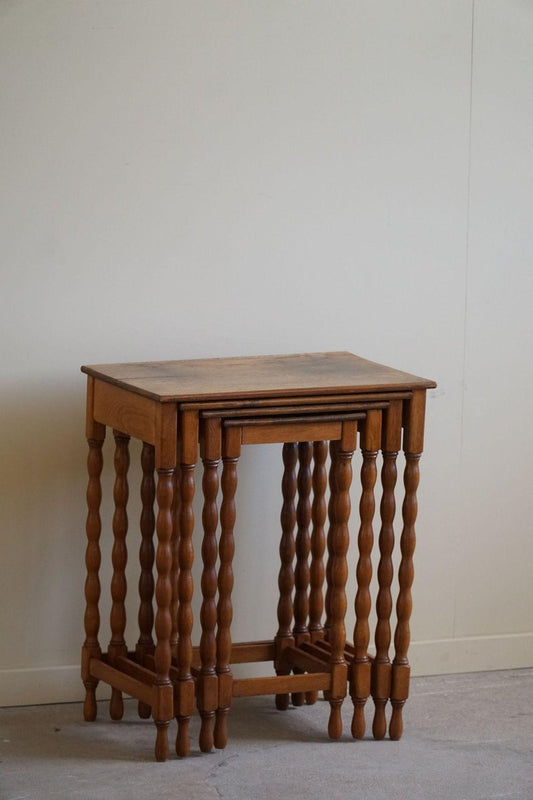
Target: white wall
221 178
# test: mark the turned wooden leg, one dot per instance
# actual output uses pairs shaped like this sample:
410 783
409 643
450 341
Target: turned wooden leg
174 572
207 679
225 584
119 556
284 637
162 709
91 646
303 546
331 525
360 674
318 546
145 645
185 686
413 446
381 666
338 541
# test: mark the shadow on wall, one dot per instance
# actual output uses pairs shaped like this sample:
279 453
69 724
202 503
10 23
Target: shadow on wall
42 518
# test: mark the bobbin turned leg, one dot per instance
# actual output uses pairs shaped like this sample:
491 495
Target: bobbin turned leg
207 684
162 708
381 666
230 456
318 546
119 556
184 687
91 646
413 446
284 637
145 645
338 541
360 670
303 546
174 572
331 525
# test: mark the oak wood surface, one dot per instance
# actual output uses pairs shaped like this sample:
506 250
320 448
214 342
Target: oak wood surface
256 376
222 404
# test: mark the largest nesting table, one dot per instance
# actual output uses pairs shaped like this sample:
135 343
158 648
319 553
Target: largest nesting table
214 407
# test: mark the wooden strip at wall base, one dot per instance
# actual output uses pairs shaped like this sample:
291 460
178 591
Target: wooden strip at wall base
118 680
281 684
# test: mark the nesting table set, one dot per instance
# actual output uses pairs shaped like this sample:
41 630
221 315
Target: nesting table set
321 407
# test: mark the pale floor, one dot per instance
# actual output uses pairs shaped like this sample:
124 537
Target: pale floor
467 737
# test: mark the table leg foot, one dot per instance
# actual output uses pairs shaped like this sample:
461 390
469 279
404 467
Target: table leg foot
282 702
396 720
161 742
335 719
206 739
116 705
183 741
144 710
89 705
358 719
221 728
379 725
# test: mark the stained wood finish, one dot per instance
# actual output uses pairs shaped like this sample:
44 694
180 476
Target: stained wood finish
338 547
303 548
207 680
175 571
256 376
360 667
185 688
331 525
413 446
318 546
145 644
225 586
381 667
91 646
119 556
284 637
291 399
163 708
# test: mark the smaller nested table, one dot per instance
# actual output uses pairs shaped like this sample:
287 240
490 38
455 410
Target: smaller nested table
216 406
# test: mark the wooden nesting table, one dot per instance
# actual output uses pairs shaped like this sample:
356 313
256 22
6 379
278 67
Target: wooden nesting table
213 407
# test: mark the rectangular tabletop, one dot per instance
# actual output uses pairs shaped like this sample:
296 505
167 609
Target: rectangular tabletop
256 376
